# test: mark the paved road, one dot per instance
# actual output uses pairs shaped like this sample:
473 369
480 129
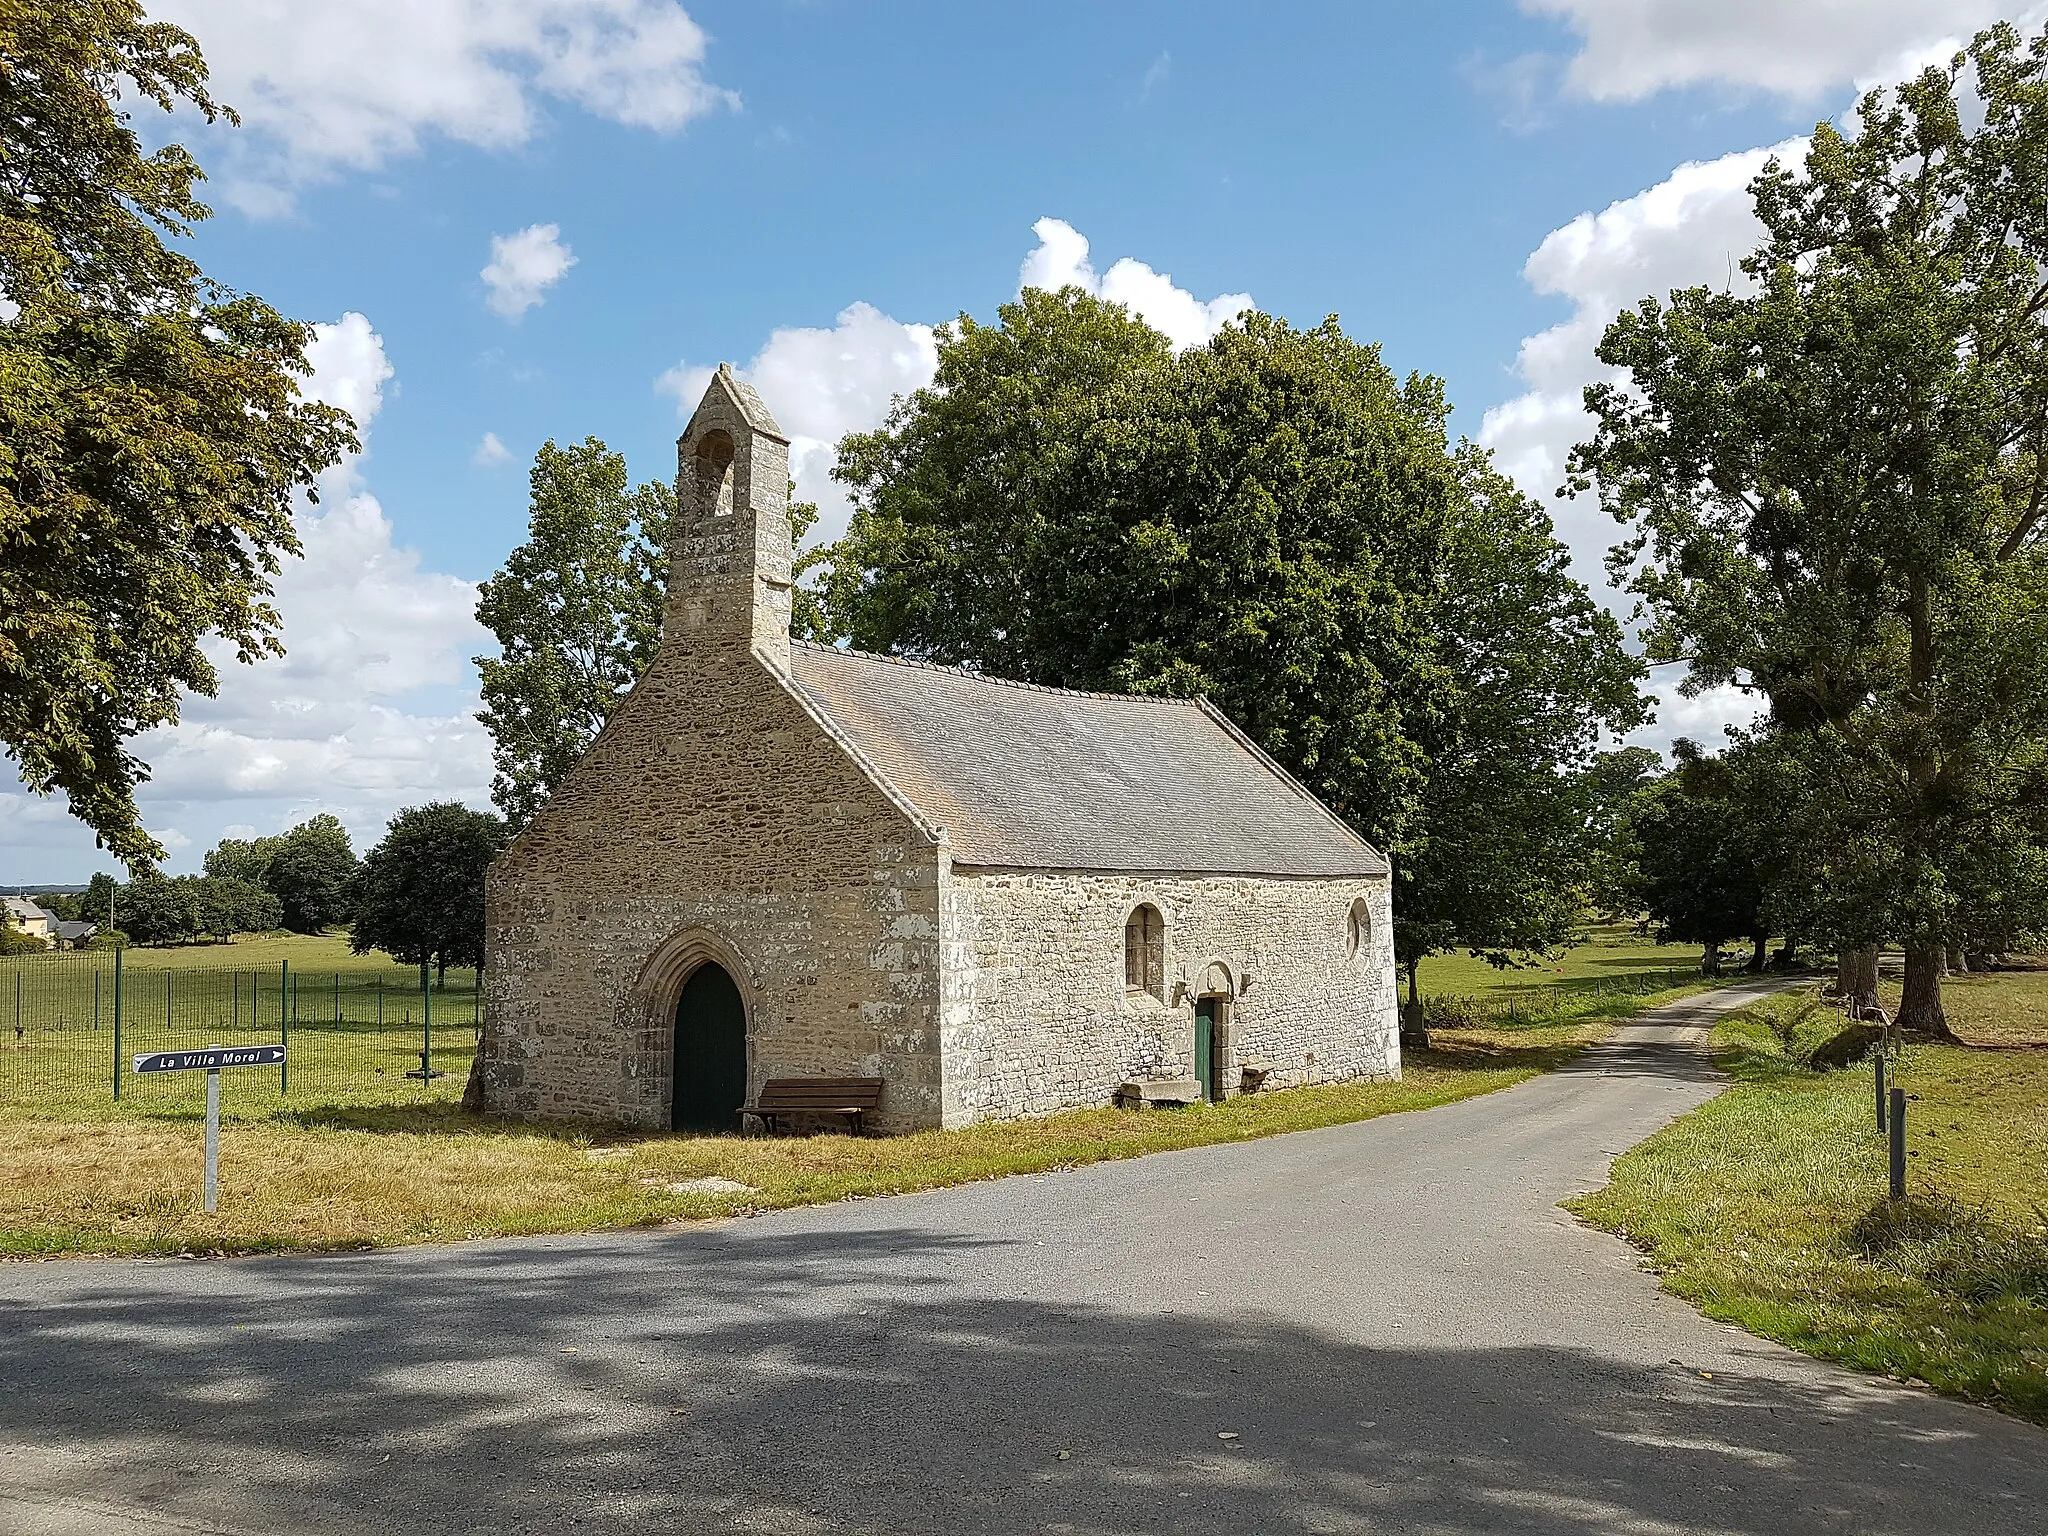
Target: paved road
1382 1327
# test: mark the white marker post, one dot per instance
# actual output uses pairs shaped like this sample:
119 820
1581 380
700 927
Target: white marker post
210 1061
209 1186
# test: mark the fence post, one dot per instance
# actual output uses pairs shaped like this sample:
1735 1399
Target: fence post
117 1019
1898 1147
284 1024
426 1029
1878 1057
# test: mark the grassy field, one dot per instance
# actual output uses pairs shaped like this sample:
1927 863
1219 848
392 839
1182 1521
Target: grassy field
324 952
1767 1207
1611 963
355 1024
294 1179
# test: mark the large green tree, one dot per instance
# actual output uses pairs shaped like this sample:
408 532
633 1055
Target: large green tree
1275 521
1837 479
419 895
153 438
308 870
1699 874
577 615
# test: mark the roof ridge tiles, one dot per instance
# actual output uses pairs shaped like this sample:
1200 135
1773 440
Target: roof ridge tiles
984 677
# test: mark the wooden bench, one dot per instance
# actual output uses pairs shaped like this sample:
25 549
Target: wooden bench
849 1098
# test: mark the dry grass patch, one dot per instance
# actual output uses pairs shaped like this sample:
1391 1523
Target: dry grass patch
112 1184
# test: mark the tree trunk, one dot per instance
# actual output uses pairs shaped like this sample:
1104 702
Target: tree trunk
1710 960
1958 962
1920 1008
1760 955
1856 977
1788 954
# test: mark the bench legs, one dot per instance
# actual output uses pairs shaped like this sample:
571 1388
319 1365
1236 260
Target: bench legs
767 1118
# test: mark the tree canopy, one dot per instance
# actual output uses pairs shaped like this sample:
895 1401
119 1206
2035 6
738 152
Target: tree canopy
1276 522
1837 478
308 870
419 895
155 909
577 614
155 437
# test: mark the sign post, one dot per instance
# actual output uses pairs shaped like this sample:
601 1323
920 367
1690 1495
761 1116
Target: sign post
210 1061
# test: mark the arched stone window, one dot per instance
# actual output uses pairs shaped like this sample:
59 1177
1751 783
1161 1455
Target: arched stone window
1358 929
1145 952
714 472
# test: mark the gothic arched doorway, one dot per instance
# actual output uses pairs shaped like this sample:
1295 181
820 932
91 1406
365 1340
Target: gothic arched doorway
710 1062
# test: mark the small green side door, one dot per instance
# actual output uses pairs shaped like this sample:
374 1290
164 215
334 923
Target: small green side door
1205 1047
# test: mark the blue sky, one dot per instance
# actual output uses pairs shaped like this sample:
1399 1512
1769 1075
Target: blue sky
803 188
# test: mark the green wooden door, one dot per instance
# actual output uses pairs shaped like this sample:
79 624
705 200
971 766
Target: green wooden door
711 1053
1205 1047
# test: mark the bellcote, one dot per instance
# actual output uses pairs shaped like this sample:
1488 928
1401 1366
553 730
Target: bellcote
729 552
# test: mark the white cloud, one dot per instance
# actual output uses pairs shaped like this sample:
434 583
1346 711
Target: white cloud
324 88
523 266
1061 260
1802 49
1690 229
490 451
823 383
370 708
1687 231
1156 75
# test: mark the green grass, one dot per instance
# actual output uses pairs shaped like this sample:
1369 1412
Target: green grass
1606 951
1767 1207
1613 970
348 1178
322 952
354 1024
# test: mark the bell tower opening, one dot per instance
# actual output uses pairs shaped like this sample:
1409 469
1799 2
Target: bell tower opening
714 473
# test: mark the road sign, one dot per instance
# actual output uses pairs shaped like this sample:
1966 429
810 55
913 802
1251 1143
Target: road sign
212 1059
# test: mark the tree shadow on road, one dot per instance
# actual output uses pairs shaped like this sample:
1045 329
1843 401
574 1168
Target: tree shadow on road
739 1378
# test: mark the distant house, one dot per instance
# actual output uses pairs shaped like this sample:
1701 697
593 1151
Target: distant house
73 935
29 918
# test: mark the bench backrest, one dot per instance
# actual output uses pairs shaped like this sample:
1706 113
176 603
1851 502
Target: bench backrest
820 1093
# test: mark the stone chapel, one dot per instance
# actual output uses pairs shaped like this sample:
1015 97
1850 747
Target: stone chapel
782 860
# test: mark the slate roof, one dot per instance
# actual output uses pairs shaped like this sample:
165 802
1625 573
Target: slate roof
1045 778
25 911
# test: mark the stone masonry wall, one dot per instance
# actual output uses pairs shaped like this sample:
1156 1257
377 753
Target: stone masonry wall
712 800
1036 1016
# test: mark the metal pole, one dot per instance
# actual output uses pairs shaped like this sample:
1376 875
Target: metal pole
284 1025
1898 1128
426 1028
1879 1058
209 1195
117 1013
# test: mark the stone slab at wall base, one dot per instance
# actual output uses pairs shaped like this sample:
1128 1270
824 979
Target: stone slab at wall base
1168 1090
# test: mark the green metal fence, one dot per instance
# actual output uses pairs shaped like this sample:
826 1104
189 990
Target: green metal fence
69 1024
